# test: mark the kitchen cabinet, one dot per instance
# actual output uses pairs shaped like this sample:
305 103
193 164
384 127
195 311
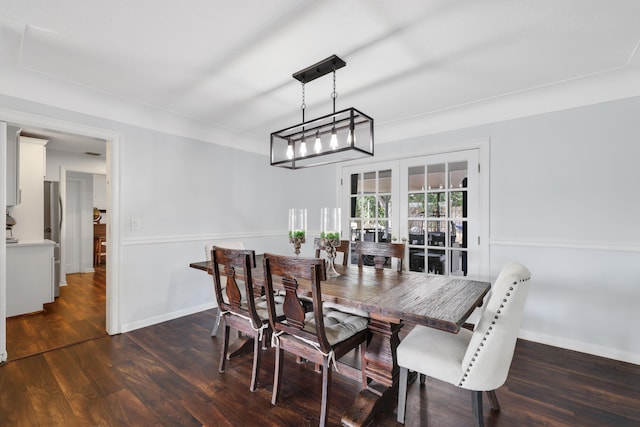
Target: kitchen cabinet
30 267
29 214
13 165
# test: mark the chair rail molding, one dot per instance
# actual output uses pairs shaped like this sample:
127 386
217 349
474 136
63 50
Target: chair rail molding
184 238
559 244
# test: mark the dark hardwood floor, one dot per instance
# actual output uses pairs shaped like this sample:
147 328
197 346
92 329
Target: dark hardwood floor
78 314
167 375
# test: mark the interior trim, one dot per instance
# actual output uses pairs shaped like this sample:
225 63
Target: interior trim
578 245
149 321
113 140
580 346
156 240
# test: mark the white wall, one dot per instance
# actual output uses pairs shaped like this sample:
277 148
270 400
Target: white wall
74 162
187 194
78 236
3 248
100 199
100 191
563 202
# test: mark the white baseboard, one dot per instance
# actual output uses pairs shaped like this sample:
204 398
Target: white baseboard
128 327
583 347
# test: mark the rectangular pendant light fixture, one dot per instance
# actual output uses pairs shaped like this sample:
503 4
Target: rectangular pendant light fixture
340 136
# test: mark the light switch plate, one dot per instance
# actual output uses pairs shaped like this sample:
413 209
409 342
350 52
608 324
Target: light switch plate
136 224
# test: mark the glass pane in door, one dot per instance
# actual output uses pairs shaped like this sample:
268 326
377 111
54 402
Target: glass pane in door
416 211
416 179
371 198
368 183
416 205
436 209
436 177
458 263
436 204
384 182
366 206
458 174
437 261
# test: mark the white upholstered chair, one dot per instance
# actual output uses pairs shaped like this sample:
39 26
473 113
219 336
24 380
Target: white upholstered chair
207 252
477 361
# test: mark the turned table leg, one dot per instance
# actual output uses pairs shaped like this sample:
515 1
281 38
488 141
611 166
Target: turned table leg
381 369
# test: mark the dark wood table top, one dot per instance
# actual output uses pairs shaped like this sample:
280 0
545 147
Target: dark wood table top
436 301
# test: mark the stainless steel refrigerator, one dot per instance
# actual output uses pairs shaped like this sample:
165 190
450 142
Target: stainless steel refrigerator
52 223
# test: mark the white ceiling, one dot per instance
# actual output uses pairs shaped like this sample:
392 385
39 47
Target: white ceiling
63 141
221 70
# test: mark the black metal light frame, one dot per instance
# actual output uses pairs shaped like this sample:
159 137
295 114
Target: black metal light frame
353 129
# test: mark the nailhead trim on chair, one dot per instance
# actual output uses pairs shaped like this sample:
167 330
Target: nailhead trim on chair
493 322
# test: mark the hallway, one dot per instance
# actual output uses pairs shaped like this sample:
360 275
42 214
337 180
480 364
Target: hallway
77 315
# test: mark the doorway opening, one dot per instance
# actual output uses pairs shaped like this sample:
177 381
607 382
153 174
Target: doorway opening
100 279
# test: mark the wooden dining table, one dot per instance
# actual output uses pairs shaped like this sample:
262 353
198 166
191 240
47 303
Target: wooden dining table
391 298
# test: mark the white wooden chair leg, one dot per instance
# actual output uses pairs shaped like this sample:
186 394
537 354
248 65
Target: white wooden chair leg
216 323
402 394
326 391
276 375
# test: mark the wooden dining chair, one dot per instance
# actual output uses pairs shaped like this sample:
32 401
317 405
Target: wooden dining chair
99 243
477 360
242 306
344 248
223 279
380 252
322 335
100 249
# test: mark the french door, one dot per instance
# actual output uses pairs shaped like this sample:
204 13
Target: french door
439 208
369 209
430 203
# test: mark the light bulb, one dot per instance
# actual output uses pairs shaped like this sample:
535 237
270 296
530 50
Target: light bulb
351 137
333 143
303 148
317 147
289 151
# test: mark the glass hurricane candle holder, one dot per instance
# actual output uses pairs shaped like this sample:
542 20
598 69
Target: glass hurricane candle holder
297 228
330 236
